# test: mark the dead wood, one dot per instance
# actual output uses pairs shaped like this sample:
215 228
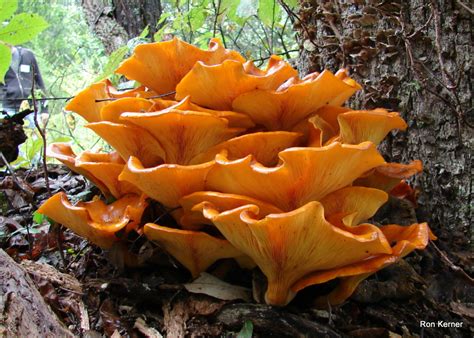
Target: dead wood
23 310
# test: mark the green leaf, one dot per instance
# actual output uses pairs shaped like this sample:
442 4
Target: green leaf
292 3
5 59
23 28
113 62
246 331
38 218
197 17
144 32
268 11
62 139
7 9
247 8
34 149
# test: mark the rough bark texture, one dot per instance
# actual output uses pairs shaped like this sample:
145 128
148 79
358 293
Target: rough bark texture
117 21
135 15
413 57
23 312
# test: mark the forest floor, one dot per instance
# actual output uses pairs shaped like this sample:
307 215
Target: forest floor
138 291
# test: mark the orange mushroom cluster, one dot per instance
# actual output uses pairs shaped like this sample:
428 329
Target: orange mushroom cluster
255 165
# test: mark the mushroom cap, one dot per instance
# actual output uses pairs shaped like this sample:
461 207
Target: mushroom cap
305 174
283 109
166 183
160 66
95 220
263 146
183 134
406 239
290 245
368 125
217 86
196 250
130 141
387 176
111 111
192 205
350 206
101 169
85 104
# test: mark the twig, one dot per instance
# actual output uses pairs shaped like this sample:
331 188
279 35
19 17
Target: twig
12 173
463 5
151 97
41 131
451 265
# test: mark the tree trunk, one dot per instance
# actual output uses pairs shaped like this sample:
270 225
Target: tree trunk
413 57
117 21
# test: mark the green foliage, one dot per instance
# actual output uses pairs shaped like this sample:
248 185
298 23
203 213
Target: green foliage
7 9
113 62
22 28
269 11
5 59
256 28
246 331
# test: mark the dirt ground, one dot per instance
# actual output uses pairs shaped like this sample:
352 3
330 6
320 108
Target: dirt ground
138 291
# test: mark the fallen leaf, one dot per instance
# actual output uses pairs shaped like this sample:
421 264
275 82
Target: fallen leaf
214 287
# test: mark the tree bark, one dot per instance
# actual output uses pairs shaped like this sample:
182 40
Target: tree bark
413 57
23 312
117 21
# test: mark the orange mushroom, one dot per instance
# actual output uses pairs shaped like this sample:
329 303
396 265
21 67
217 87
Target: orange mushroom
101 169
191 216
337 124
305 174
291 245
160 66
263 146
166 183
217 86
407 239
183 134
283 109
350 206
89 102
387 176
194 249
112 110
130 141
95 220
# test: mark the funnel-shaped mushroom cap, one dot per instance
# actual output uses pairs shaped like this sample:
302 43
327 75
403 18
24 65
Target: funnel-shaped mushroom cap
192 205
85 104
194 249
306 174
130 141
217 86
368 125
388 175
161 65
166 183
112 111
236 120
352 205
263 146
320 126
291 245
101 169
282 110
406 239
183 134
96 221
106 169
